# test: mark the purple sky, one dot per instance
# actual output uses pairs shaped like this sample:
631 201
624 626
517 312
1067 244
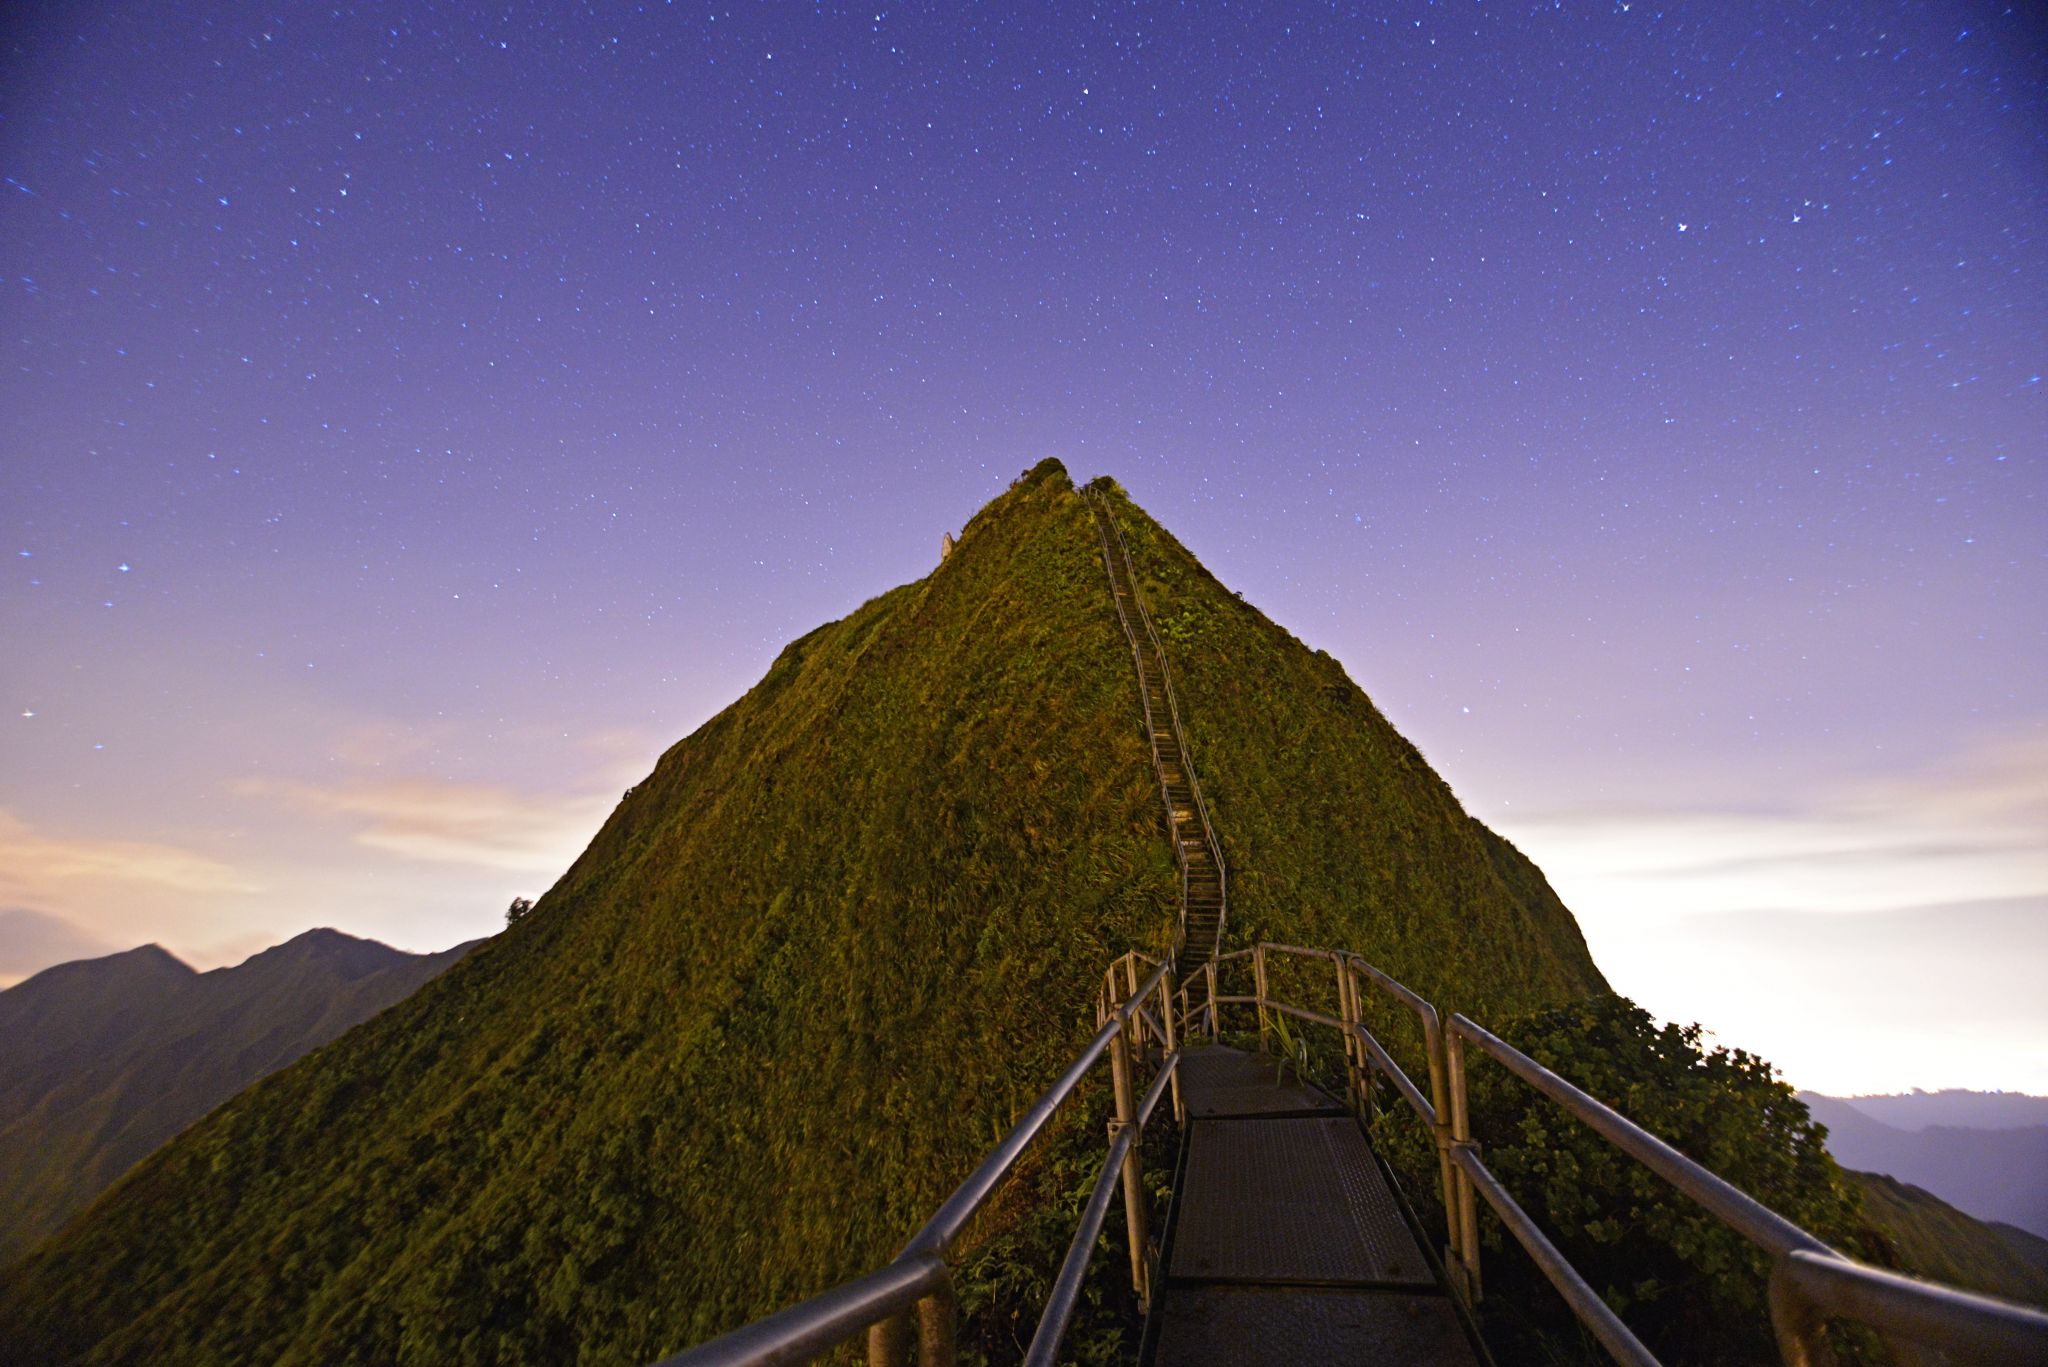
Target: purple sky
416 418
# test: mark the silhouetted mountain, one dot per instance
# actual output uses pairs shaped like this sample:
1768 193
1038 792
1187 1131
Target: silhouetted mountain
1954 1108
833 944
102 1060
1933 1239
1993 1174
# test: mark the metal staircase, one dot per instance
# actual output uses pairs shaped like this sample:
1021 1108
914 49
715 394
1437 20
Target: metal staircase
1195 847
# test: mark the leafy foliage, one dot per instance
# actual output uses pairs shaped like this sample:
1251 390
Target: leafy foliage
806 973
1691 1288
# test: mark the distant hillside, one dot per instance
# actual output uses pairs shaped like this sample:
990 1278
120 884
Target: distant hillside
1953 1108
1933 1239
1993 1174
103 1060
808 969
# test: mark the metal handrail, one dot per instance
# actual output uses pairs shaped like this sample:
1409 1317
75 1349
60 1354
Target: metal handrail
1107 527
880 1301
1921 1312
1810 1282
1726 1202
809 1328
1595 1313
1364 1052
1066 1287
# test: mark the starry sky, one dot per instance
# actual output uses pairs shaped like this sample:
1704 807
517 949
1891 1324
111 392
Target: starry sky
414 417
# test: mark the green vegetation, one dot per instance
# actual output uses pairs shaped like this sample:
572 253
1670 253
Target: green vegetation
102 1060
1692 1289
1334 829
807 972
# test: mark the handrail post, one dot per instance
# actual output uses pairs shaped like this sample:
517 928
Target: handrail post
1466 1230
1347 1011
1215 1011
938 1328
1130 991
1134 1185
1448 1175
1171 1042
1798 1328
1259 972
889 1341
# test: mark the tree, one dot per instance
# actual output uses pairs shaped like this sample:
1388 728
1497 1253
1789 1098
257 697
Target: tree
517 911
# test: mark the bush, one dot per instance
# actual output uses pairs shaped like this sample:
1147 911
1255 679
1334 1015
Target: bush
1690 1287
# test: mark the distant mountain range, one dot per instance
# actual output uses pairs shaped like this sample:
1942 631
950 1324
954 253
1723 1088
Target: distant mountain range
1985 1153
1952 1108
102 1060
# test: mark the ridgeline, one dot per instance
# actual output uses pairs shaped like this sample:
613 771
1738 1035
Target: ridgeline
805 973
104 1059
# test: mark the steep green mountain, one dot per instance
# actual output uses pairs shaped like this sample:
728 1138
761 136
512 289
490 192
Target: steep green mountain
102 1060
1931 1238
1335 829
803 976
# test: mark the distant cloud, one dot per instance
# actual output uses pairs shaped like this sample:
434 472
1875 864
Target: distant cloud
1943 995
1883 935
33 865
1970 832
456 823
31 941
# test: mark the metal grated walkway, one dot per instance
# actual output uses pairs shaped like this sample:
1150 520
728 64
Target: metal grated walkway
1288 1247
1217 1083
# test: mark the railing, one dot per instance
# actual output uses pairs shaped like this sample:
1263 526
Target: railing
1107 521
1364 1052
918 1283
1810 1282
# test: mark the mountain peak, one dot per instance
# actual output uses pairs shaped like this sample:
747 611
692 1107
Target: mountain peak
327 948
149 964
151 957
945 799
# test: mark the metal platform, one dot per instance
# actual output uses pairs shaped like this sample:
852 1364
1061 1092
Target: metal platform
1288 1246
1298 1202
1242 1326
1220 1081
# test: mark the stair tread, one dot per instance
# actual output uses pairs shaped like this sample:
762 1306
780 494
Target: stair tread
1202 899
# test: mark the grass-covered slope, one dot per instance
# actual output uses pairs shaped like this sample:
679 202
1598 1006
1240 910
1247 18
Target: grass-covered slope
801 979
1933 1239
104 1059
1334 828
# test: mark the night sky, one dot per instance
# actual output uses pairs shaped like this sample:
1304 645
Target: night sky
415 418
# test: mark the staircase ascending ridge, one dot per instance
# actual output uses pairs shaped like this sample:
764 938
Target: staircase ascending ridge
1202 883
